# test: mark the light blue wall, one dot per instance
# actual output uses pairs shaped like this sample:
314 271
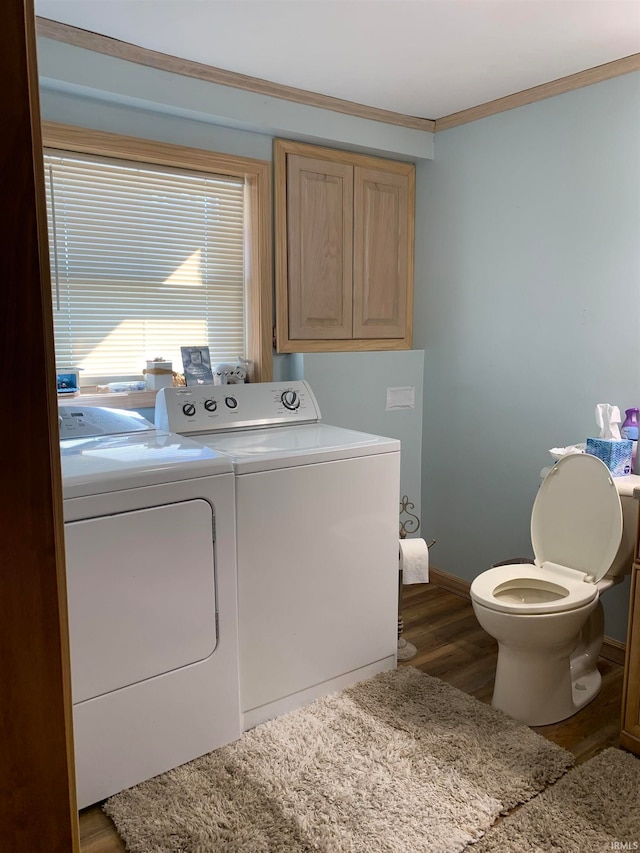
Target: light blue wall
528 239
351 390
87 110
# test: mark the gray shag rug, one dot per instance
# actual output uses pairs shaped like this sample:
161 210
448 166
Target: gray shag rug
401 762
594 808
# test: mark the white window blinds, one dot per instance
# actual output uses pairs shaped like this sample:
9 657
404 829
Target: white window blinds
144 259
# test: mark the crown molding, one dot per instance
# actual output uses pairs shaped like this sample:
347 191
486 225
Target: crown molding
539 93
187 68
68 34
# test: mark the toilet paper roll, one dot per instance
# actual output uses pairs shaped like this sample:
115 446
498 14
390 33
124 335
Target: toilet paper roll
414 561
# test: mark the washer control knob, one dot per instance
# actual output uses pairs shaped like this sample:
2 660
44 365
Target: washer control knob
210 405
189 410
231 402
290 400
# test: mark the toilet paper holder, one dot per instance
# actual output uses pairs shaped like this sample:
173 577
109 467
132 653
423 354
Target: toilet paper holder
409 523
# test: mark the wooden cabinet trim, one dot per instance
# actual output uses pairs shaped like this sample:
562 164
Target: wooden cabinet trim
287 341
630 733
280 246
337 155
631 690
344 345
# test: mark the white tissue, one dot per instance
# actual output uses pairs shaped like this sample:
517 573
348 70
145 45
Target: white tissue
559 452
608 419
414 561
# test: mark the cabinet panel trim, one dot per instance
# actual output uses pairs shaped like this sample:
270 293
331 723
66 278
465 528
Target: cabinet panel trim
286 340
381 254
319 248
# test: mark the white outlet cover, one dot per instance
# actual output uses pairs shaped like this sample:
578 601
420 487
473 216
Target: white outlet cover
401 398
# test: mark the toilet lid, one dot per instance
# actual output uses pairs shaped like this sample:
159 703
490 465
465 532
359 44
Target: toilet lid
576 519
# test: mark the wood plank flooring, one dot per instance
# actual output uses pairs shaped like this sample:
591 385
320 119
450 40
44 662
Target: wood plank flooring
451 646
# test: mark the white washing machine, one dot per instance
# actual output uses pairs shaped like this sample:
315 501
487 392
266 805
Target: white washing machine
151 587
317 539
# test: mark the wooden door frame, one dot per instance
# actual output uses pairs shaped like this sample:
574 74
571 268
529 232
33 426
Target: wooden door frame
37 783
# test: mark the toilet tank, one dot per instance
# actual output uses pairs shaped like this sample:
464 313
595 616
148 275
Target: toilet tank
623 559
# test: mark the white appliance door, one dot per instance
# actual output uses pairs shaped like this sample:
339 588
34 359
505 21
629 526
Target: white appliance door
142 595
317 573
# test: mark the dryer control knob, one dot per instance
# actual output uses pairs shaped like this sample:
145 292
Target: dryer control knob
189 410
231 402
210 405
290 400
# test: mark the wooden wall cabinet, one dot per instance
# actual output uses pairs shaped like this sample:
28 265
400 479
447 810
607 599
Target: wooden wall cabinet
344 250
630 734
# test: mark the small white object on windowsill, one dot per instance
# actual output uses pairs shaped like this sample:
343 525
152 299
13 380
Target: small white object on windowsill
158 374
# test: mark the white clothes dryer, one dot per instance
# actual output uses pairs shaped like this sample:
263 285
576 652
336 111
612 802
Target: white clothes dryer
317 539
151 587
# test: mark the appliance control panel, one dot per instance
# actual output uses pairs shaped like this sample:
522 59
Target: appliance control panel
216 408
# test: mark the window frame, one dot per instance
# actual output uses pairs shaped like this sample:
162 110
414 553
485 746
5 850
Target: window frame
257 177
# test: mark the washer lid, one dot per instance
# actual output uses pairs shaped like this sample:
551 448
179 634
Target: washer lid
576 519
285 447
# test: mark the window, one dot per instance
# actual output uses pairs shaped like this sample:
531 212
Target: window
154 247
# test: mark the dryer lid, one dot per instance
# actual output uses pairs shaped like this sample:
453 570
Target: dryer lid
75 421
576 519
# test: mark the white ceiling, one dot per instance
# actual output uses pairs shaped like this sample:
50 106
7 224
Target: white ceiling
426 58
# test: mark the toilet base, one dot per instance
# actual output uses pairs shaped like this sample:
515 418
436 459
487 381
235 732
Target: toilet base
547 663
540 691
585 688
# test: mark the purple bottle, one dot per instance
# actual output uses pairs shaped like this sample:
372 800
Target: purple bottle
629 430
629 427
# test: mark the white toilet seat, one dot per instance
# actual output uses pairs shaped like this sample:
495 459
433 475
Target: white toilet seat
576 528
500 589
576 520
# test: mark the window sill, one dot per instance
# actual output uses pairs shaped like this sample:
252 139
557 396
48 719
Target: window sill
112 399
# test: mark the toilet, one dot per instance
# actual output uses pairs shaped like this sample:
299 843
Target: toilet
547 616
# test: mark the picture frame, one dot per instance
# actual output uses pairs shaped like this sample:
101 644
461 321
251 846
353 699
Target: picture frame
68 381
196 363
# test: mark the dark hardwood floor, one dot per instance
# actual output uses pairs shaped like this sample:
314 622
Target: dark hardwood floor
451 646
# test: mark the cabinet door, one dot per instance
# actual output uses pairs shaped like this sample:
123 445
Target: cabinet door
630 735
382 253
320 239
344 227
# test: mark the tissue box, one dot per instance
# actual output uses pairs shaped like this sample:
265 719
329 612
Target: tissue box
616 455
